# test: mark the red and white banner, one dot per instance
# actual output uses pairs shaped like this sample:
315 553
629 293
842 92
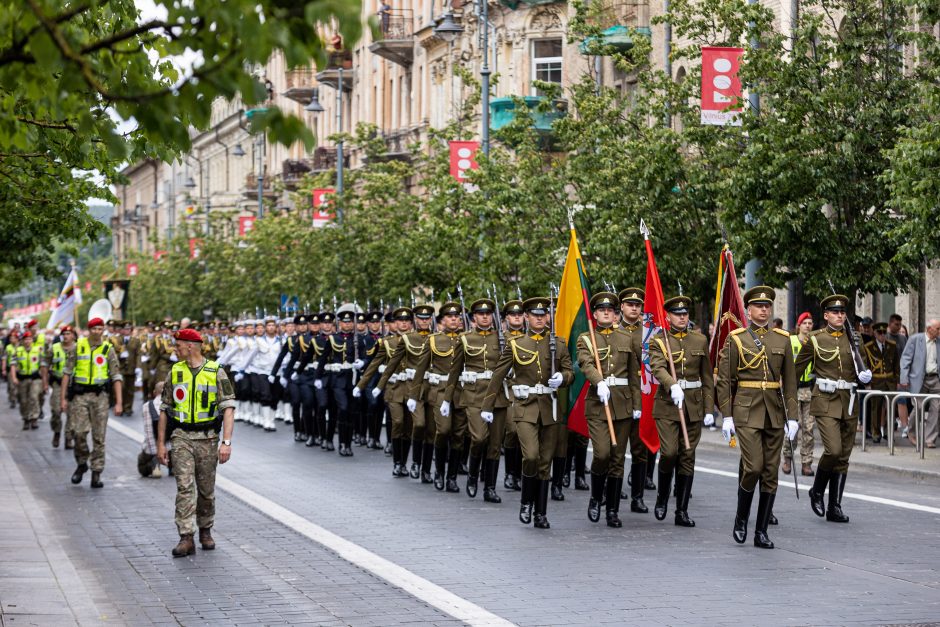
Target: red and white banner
195 247
721 86
322 202
132 269
158 254
245 225
463 158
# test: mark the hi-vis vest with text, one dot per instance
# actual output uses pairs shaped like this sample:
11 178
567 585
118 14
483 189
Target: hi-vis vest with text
195 399
91 366
27 361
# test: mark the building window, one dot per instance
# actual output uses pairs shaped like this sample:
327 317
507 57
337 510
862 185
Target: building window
546 62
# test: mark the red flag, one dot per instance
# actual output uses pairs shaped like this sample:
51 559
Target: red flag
729 306
654 320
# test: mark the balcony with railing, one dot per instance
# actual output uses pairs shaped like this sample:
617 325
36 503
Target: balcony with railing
251 186
338 71
396 42
301 85
620 22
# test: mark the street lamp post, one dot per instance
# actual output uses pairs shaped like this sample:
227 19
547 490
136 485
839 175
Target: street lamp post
339 146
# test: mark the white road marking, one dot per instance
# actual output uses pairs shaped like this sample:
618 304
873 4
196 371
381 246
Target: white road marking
422 589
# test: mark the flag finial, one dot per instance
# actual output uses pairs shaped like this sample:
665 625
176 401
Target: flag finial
644 230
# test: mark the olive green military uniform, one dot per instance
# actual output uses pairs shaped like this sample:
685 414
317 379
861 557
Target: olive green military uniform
511 447
642 460
414 425
128 356
162 357
886 372
394 384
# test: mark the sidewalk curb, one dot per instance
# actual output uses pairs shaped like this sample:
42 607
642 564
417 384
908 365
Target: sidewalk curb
857 459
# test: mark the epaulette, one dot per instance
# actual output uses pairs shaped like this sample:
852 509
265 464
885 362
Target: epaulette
782 332
738 330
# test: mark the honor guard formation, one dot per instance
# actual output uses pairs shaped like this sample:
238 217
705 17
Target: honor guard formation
448 391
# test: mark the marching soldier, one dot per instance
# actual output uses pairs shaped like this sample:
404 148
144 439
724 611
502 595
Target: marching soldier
375 406
476 355
162 353
304 379
312 358
534 408
343 360
30 379
617 386
830 354
430 389
56 355
89 369
282 370
145 337
755 378
882 357
9 360
260 362
514 317
128 347
690 389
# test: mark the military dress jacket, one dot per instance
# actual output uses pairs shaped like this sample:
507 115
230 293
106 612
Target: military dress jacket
476 357
828 352
433 370
620 367
693 371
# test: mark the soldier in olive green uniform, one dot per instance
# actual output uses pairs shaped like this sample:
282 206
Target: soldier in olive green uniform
617 386
835 403
514 319
691 389
128 348
534 408
145 338
754 367
642 460
476 355
162 352
430 389
881 354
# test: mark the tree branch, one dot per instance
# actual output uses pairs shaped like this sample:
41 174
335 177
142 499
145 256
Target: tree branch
62 126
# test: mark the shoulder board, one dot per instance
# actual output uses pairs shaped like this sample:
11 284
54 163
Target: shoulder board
738 330
782 332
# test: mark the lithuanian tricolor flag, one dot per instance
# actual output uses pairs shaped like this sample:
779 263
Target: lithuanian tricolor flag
571 320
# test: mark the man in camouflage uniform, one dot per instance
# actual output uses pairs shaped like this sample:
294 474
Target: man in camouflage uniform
56 355
89 369
198 400
29 377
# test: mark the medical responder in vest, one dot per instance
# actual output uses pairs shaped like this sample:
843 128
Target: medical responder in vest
28 378
87 372
56 354
198 401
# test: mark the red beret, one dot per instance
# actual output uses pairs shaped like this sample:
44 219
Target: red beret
26 334
95 322
803 316
188 335
32 323
65 328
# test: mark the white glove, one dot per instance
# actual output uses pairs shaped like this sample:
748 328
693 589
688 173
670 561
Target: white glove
283 381
238 377
727 428
555 381
603 392
376 392
174 358
412 404
152 372
358 364
138 372
294 376
709 420
124 355
318 383
791 428
271 379
487 416
677 395
864 376
356 392
144 359
637 413
445 409
138 382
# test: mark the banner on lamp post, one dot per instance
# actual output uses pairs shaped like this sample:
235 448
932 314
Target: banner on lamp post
463 158
245 225
721 86
322 202
158 254
132 269
195 247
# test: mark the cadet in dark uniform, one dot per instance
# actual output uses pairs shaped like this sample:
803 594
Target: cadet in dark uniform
617 386
343 360
692 385
835 403
753 365
642 460
881 354
533 408
282 373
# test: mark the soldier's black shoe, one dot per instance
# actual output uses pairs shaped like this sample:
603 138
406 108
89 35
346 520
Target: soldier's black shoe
490 495
415 470
637 505
836 485
472 484
396 470
683 491
773 519
580 483
594 504
541 505
557 493
614 485
509 482
454 464
490 470
439 482
817 492
662 496
79 473
525 513
96 481
388 448
765 506
473 476
311 441
329 445
530 486
745 499
426 477
452 486
649 484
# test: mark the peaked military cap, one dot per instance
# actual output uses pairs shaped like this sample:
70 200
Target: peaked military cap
604 299
361 317
301 319
678 304
835 302
327 316
759 295
538 305
313 318
424 311
346 316
450 308
513 306
880 326
632 295
374 316
402 313
482 305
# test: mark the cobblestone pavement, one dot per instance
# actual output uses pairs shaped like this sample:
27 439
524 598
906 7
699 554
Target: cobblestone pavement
102 556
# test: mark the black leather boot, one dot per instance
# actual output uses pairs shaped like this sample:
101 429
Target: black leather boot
490 470
558 471
580 458
509 480
96 481
517 468
473 476
416 460
650 469
453 468
817 492
529 489
836 487
614 485
637 505
440 467
662 495
764 507
80 471
541 505
427 460
594 504
683 491
396 457
569 461
745 499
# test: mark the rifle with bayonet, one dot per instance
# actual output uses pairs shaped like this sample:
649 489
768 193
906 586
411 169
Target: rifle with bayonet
552 345
498 320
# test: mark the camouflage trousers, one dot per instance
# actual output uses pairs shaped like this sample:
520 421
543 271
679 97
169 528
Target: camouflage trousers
55 407
807 426
89 412
195 458
30 391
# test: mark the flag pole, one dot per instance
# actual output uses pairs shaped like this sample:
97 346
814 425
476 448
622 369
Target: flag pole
672 366
595 351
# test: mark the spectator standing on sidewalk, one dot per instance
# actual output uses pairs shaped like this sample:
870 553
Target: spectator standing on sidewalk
882 357
147 462
897 333
919 374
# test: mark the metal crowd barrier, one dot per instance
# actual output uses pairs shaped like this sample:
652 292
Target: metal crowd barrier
892 398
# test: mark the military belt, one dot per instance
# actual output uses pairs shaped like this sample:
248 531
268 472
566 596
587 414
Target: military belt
524 391
759 385
886 375
434 379
613 382
689 385
337 367
382 368
470 376
407 374
831 385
